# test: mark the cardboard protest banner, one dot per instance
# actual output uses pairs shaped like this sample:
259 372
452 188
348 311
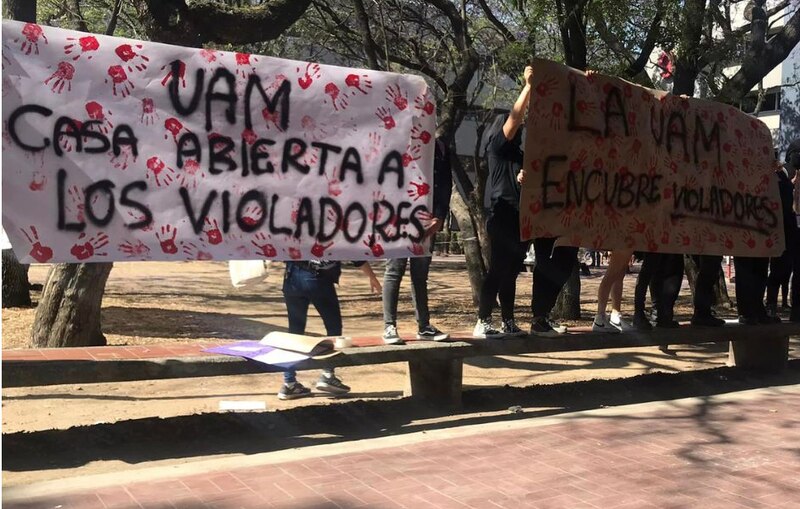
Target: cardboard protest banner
610 164
116 149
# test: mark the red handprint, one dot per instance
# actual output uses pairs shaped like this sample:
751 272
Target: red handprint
421 102
748 239
95 111
209 55
395 95
266 249
334 186
32 32
38 252
375 146
149 113
638 226
377 196
196 253
418 133
129 56
294 253
243 60
313 129
192 173
167 239
418 190
311 73
252 215
122 160
527 227
417 249
212 231
272 119
318 249
139 218
356 82
175 127
181 74
61 77
338 100
83 45
546 87
120 83
412 154
375 248
386 117
87 249
162 174
139 250
77 197
37 182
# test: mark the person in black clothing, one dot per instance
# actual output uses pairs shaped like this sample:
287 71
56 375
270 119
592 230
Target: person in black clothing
442 188
501 199
708 272
790 259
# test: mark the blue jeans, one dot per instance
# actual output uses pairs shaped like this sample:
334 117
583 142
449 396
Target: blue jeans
419 289
302 287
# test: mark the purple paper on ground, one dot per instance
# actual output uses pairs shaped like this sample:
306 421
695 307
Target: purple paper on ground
260 353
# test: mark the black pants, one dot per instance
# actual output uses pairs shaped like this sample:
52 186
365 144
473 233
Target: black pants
708 271
751 283
781 269
666 283
507 254
553 268
644 281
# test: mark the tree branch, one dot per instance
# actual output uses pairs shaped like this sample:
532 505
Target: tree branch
366 34
504 31
209 21
758 62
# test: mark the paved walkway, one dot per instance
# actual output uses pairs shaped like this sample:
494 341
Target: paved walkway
727 451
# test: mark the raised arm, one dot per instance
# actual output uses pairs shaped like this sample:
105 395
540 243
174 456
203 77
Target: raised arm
517 115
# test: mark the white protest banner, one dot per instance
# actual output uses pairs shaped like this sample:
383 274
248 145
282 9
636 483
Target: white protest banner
116 149
612 165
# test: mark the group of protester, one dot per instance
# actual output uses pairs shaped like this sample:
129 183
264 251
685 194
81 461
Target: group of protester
313 282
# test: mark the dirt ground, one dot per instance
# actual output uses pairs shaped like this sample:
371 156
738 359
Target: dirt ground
149 303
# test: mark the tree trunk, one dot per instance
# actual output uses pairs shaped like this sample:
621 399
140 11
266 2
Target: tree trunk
469 243
721 297
691 270
22 10
69 312
16 288
568 305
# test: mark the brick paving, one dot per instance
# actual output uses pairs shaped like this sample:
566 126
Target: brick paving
733 453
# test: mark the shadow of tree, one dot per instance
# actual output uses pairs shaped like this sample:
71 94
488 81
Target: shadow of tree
151 439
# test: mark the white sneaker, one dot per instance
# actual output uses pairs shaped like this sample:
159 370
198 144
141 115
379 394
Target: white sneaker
617 321
484 330
603 324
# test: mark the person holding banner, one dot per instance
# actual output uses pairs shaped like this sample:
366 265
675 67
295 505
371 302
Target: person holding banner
790 259
501 199
314 282
611 284
442 188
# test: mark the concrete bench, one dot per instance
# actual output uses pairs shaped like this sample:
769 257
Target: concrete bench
434 369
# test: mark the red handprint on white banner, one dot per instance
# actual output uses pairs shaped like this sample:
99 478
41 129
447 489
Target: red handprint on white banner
61 77
88 248
396 96
80 46
32 33
120 84
38 252
162 174
134 60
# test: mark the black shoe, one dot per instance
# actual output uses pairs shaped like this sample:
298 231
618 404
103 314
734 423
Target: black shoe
641 323
667 324
332 385
748 320
297 390
707 321
767 319
664 348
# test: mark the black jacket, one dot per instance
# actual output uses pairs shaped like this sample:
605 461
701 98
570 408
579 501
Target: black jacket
786 190
442 180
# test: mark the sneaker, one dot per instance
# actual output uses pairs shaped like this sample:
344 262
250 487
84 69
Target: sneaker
483 329
296 391
664 348
543 328
510 328
641 323
617 321
390 336
429 332
603 324
707 321
748 320
331 385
